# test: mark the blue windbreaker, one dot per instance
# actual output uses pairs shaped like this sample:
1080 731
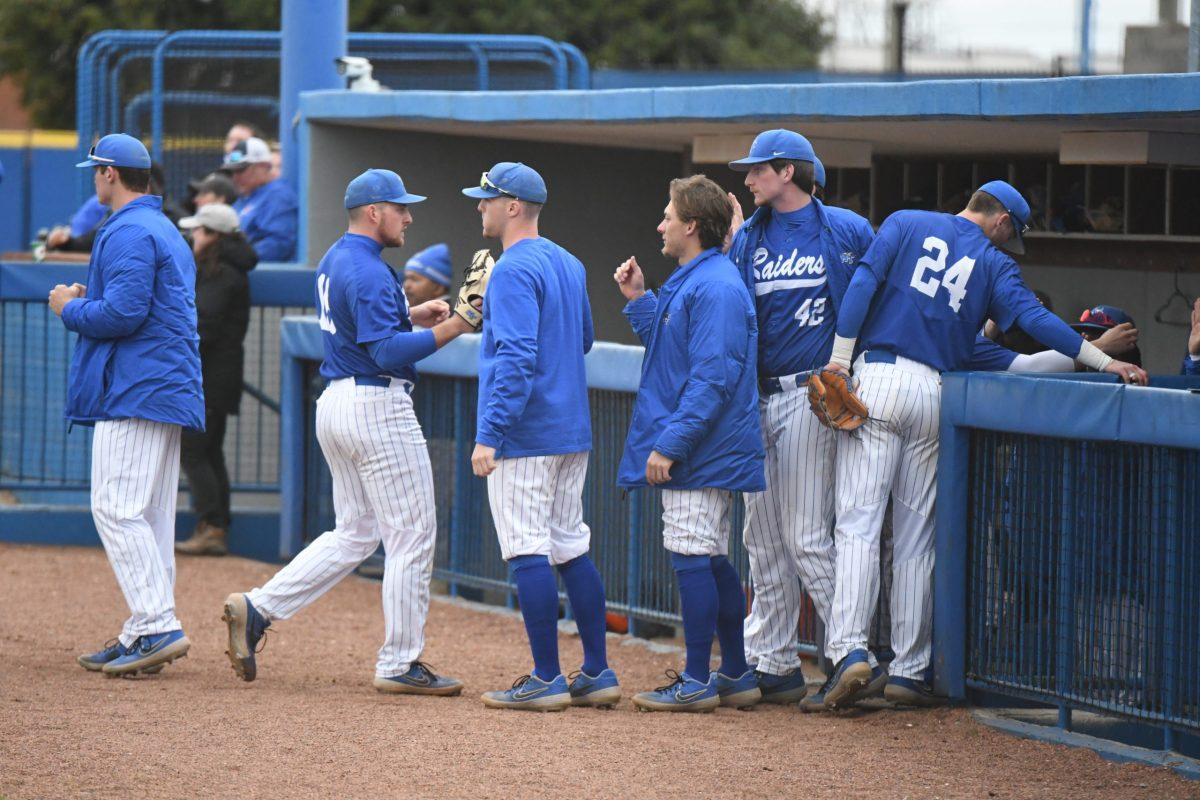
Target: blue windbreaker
698 398
268 219
138 354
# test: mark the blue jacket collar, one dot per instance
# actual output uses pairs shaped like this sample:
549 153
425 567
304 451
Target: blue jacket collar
762 216
145 201
365 242
684 270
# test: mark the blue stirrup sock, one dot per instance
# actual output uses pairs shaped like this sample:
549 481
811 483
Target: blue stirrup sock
537 592
731 614
698 606
585 590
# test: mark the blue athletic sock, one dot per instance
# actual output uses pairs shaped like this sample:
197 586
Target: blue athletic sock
731 614
585 590
698 606
538 595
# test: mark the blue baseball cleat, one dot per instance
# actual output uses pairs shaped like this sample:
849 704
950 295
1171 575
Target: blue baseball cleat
879 679
600 691
246 628
531 693
149 654
741 692
849 681
911 692
94 662
782 689
684 693
419 679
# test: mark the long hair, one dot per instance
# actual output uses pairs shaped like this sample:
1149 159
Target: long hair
207 259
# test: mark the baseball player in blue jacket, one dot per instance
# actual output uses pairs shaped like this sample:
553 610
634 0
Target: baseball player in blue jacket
912 311
266 207
135 378
370 437
695 433
533 437
796 256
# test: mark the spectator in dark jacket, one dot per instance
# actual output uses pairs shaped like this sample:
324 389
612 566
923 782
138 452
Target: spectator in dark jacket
223 259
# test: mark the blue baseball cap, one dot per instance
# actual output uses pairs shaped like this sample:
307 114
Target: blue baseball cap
512 179
378 186
117 150
1018 211
773 144
818 172
433 262
1101 318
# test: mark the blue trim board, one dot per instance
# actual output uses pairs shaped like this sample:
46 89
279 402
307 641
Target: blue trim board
254 532
1076 97
1106 748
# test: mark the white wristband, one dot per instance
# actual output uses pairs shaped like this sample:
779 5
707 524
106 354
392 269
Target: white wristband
843 351
1092 356
1194 357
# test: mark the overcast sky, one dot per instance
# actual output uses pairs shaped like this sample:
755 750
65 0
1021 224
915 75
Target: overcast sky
1044 27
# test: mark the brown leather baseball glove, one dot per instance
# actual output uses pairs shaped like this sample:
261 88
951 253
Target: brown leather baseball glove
831 397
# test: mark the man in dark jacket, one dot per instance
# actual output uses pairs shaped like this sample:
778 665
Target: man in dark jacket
695 432
223 259
135 376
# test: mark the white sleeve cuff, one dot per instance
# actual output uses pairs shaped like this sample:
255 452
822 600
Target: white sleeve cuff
1091 356
1193 358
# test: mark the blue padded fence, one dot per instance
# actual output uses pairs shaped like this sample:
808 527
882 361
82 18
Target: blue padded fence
1068 549
626 529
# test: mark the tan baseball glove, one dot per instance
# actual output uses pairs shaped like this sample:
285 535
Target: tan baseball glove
831 397
469 304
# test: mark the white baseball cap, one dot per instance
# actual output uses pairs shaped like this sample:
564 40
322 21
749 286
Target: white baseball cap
251 151
214 216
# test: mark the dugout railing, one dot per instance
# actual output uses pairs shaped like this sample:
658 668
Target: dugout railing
1068 554
626 527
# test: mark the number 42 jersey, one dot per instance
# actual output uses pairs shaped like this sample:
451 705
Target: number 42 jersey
940 279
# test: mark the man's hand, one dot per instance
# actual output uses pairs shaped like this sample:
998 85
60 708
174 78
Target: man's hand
58 237
1194 338
483 460
61 294
429 313
838 368
1128 373
630 279
735 224
1119 339
658 468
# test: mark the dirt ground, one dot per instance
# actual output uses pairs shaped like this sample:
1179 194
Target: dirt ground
312 726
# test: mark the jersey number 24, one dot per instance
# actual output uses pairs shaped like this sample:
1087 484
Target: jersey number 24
955 279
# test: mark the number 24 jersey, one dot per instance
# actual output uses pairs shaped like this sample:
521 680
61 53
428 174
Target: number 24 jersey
940 279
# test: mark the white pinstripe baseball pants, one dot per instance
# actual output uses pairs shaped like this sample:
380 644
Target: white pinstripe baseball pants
896 455
537 506
789 530
135 483
696 521
382 490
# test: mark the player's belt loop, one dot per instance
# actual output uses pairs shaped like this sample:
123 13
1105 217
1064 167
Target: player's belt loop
784 383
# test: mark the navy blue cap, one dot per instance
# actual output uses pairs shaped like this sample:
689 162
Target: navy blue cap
1017 209
378 186
513 179
773 144
1101 318
818 172
433 262
117 150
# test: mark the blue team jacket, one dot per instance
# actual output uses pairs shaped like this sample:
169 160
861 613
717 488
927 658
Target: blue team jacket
845 236
268 219
698 398
1189 367
138 354
533 398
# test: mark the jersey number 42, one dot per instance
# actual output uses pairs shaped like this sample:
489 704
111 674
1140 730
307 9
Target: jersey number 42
955 279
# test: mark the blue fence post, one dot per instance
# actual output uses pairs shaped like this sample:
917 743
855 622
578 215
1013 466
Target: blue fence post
1168 502
950 567
462 479
291 453
1065 668
633 578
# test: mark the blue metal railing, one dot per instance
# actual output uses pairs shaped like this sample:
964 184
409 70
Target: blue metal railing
37 453
1068 547
626 530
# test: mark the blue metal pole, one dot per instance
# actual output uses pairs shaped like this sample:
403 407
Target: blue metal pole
314 34
1065 646
1085 37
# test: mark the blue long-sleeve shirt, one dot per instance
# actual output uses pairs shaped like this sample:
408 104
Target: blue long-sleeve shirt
537 327
268 218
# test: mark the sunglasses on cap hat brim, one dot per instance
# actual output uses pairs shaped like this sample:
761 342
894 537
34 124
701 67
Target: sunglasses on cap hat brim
486 183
